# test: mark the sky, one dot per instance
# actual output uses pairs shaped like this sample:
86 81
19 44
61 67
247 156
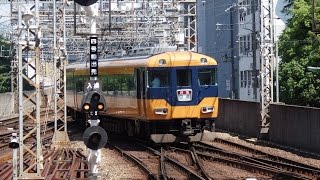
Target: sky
4 18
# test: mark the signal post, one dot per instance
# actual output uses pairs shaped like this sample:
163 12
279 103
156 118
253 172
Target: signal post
93 101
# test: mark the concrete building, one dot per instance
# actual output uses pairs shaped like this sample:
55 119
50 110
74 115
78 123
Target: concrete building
227 31
249 55
217 38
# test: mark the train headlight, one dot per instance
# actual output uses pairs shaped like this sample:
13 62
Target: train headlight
162 62
161 111
207 109
203 61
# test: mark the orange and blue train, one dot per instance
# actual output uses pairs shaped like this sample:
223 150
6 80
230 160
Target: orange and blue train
169 97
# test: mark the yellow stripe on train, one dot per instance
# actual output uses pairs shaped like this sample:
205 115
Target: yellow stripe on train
159 109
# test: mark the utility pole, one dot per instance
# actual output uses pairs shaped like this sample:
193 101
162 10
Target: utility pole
267 59
254 50
233 93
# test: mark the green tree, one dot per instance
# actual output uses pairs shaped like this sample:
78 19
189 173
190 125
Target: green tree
299 48
5 60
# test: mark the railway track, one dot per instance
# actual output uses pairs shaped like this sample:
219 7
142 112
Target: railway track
156 164
58 164
10 125
65 163
171 162
203 161
275 161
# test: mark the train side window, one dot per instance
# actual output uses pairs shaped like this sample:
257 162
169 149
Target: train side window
158 78
207 77
184 77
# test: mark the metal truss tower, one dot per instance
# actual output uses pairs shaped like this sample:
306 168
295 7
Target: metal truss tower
59 63
267 60
14 60
28 53
129 24
189 13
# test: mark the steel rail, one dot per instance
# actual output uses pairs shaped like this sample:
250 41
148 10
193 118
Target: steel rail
135 160
247 159
199 164
274 160
163 173
188 171
261 154
265 170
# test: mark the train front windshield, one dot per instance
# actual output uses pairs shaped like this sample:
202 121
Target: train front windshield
207 77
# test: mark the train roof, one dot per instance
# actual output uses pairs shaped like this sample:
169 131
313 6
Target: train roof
167 59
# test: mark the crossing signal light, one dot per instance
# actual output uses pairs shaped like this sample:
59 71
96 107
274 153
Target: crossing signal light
85 2
95 137
93 101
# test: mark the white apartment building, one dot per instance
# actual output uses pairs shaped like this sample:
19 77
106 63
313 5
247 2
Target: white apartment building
245 45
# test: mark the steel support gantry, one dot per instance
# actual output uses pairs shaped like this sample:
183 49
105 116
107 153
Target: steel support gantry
130 24
189 14
59 63
28 53
267 60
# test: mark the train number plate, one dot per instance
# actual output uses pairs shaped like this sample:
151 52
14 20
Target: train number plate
184 94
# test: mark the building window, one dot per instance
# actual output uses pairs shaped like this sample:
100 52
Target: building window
248 7
241 79
241 44
249 78
242 14
247 48
245 78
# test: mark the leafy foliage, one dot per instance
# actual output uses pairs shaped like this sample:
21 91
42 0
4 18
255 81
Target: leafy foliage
299 48
5 83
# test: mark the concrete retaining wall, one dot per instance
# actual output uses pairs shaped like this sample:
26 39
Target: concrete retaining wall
6 104
239 116
8 108
295 126
292 126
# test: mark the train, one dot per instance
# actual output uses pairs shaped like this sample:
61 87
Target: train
167 97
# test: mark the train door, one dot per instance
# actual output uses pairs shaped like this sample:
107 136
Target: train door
141 91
